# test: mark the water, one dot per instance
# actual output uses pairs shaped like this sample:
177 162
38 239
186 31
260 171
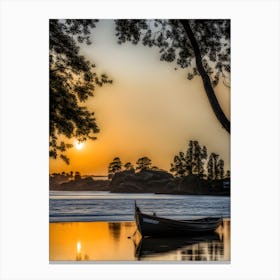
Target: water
99 226
117 241
104 206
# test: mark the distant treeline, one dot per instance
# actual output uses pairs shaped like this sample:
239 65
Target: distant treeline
71 175
194 161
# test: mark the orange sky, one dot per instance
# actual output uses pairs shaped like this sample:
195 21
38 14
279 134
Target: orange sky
149 110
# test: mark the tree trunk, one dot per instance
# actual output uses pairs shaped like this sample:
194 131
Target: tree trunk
206 80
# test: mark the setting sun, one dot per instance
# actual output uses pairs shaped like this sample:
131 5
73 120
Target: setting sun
79 145
166 133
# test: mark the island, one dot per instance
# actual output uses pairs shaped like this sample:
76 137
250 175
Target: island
145 181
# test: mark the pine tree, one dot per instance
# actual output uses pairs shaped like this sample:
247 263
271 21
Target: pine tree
215 166
196 158
189 159
128 166
228 174
179 165
221 169
204 157
114 167
143 163
192 162
210 169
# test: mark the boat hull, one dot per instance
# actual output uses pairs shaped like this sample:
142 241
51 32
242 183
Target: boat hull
149 225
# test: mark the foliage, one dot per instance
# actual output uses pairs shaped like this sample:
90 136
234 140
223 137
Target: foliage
189 159
215 167
213 37
178 167
72 81
191 162
77 175
128 166
114 167
210 166
200 154
221 165
143 163
201 46
227 174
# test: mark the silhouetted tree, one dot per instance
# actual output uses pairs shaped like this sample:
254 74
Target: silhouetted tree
204 158
178 167
143 163
77 175
114 167
190 158
228 174
199 155
128 166
215 166
205 42
210 167
195 157
221 172
190 163
72 81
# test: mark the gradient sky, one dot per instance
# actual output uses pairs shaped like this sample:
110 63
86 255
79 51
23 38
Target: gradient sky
149 110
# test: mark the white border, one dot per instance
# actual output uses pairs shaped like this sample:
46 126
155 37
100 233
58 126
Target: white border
24 134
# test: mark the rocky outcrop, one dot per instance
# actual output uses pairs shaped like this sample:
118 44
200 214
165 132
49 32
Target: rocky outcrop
145 181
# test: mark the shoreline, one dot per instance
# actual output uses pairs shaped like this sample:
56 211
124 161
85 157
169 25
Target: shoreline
160 193
148 181
225 219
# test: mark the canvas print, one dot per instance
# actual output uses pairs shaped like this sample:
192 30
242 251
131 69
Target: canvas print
139 140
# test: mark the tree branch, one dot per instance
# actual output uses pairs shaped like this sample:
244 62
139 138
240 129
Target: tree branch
206 80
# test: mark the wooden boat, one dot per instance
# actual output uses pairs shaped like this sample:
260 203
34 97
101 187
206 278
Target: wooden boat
151 225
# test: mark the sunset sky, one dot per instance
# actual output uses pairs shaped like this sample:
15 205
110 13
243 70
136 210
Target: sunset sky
149 110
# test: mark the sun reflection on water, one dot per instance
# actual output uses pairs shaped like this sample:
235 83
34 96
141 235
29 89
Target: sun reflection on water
79 246
82 241
79 255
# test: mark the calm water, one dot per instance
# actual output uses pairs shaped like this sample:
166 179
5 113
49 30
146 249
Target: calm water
99 226
116 241
105 206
